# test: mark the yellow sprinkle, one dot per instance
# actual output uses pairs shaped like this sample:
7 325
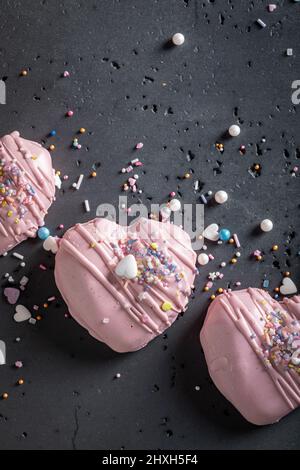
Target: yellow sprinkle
92 245
4 203
9 213
166 306
154 246
3 190
17 221
34 157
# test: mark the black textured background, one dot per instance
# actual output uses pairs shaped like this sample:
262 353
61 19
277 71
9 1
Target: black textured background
128 86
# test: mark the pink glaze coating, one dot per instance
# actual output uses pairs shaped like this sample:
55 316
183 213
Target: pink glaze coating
27 189
251 344
125 314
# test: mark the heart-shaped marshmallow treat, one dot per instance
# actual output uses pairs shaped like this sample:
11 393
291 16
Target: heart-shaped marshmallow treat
22 314
50 244
12 294
27 186
125 285
2 353
212 232
252 348
288 287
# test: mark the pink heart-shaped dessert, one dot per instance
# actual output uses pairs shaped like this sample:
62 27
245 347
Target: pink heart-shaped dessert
27 188
125 312
12 294
252 348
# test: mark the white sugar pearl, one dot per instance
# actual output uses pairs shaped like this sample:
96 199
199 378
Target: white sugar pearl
266 225
234 130
204 247
175 205
178 39
238 254
221 197
203 259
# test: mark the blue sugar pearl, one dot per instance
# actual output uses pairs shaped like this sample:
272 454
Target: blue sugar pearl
43 233
52 133
224 234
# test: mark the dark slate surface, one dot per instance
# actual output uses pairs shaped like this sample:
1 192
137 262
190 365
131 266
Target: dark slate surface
229 70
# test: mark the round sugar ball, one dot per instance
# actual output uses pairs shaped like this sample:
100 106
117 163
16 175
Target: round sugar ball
221 197
224 234
234 130
175 205
43 233
203 259
266 225
178 39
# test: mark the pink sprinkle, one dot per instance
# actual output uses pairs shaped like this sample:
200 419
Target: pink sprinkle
236 240
211 257
209 284
129 169
138 164
43 268
79 146
66 74
70 113
295 169
35 307
172 194
221 275
19 364
131 181
238 283
67 315
257 253
61 226
139 146
66 177
134 188
51 299
272 7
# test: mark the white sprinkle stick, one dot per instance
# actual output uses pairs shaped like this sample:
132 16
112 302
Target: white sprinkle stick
87 206
236 240
261 23
79 182
17 255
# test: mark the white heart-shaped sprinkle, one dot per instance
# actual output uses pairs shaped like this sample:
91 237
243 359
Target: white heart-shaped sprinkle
2 353
212 232
127 267
22 314
50 244
288 287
